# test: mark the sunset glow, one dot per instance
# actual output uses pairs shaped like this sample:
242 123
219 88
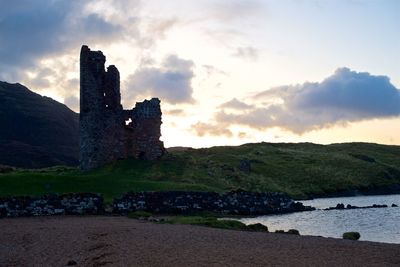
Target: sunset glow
227 72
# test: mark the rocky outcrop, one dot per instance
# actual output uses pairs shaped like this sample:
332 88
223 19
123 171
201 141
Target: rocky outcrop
66 204
6 169
245 165
234 203
107 131
341 206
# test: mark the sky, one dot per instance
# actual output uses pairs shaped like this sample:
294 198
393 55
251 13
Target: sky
227 72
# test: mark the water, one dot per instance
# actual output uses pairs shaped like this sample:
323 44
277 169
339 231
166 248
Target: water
375 224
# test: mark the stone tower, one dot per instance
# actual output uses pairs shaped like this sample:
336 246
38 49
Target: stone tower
107 131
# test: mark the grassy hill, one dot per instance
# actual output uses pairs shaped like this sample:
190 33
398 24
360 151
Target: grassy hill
299 169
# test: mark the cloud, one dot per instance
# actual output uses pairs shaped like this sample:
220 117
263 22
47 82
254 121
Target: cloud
40 42
211 70
235 9
72 102
258 118
174 112
247 52
355 95
32 30
346 96
171 82
56 78
236 104
242 135
42 78
202 129
155 30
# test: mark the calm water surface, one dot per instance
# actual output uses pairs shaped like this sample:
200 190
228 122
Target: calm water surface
378 224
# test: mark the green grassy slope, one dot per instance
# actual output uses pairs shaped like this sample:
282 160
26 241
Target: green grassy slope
297 169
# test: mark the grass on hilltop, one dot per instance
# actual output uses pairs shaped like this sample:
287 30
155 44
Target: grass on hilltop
297 169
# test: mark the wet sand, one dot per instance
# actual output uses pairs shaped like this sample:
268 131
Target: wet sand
119 241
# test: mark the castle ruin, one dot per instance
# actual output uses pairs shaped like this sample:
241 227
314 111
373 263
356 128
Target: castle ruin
107 131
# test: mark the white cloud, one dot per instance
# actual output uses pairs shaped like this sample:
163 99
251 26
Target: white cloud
346 96
247 52
210 129
171 82
72 102
236 104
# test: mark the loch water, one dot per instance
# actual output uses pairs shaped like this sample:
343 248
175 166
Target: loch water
374 224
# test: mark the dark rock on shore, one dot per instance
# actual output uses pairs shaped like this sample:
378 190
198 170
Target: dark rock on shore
258 227
290 231
71 263
234 203
351 235
293 232
341 206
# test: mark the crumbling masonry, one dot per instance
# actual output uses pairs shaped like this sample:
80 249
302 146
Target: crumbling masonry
107 131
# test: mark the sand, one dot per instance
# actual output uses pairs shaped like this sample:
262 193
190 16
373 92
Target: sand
119 241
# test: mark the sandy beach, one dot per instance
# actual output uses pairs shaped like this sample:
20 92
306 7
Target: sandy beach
119 241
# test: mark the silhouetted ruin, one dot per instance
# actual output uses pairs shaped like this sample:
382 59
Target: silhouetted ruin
107 131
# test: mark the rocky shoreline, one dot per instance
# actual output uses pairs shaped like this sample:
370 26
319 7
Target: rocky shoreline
65 204
231 203
341 206
169 202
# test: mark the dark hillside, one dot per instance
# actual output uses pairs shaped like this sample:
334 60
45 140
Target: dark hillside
36 131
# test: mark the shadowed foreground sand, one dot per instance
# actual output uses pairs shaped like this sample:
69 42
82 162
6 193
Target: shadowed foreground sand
119 241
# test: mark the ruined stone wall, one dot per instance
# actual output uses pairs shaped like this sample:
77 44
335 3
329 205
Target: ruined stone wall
104 135
144 130
182 202
65 204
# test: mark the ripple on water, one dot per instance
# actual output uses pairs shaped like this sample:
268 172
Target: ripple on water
375 224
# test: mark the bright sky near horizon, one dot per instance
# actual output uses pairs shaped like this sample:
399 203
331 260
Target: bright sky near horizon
227 71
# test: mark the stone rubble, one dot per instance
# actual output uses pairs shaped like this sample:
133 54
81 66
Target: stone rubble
66 204
168 202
